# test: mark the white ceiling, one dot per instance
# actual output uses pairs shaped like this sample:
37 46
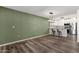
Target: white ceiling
44 10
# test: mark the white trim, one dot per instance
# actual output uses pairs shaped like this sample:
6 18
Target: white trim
22 40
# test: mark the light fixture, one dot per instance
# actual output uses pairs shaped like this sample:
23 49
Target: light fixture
50 12
51 15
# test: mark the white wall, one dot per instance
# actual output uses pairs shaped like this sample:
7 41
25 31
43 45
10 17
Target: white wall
78 22
77 25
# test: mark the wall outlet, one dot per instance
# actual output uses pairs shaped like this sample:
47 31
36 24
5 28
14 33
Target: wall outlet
13 26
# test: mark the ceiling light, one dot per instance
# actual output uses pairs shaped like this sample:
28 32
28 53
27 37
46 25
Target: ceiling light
50 12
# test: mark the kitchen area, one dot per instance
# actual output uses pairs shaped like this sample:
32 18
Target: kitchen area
63 26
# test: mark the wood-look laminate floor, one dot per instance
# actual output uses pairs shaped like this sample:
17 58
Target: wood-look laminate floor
46 44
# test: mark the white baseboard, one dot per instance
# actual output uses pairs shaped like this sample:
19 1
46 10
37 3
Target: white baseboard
22 40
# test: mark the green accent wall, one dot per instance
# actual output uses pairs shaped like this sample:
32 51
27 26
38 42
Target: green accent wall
26 25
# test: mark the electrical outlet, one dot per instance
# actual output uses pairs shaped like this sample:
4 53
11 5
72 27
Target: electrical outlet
13 26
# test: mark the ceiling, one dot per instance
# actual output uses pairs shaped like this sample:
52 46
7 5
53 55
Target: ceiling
44 10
